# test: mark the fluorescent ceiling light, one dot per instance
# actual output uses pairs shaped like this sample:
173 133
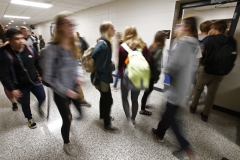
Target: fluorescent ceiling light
12 20
16 26
20 17
9 23
30 3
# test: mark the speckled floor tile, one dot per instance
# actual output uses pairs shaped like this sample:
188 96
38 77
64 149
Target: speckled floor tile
211 141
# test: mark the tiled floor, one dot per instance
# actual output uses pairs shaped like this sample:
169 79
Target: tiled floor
211 140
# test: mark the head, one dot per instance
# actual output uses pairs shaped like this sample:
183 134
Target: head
131 37
218 27
24 31
40 37
15 38
32 33
78 34
159 40
188 27
118 36
65 31
205 27
107 30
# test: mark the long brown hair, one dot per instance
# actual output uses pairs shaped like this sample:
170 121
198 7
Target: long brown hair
2 33
131 37
192 22
159 40
58 36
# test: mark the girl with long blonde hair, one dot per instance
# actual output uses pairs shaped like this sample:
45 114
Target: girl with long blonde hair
134 42
62 72
102 77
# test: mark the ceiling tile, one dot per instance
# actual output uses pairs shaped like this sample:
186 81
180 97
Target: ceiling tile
61 4
89 4
74 1
101 1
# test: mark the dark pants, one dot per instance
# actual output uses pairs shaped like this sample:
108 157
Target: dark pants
116 81
65 112
105 105
39 93
168 120
146 94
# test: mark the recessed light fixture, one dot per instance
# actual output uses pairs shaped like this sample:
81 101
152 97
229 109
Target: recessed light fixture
9 23
24 22
12 20
30 3
17 26
20 17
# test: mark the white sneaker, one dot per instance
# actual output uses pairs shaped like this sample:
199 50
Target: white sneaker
68 148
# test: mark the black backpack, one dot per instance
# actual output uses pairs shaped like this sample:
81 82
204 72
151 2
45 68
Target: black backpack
220 59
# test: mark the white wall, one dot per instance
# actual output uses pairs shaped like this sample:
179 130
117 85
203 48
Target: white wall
149 16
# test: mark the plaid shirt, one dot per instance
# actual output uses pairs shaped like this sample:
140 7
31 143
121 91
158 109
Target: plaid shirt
60 69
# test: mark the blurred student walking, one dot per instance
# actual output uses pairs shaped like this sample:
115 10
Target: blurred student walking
180 69
62 72
102 76
134 43
156 50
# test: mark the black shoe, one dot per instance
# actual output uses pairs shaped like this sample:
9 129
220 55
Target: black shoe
14 107
111 118
85 103
161 140
224 158
32 124
111 128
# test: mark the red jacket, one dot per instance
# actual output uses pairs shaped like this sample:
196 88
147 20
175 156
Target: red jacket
123 54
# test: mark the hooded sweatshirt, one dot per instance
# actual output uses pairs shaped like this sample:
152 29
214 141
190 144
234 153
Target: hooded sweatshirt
180 68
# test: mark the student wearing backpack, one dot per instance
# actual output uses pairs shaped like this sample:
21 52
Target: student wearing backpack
180 70
29 39
7 92
19 72
42 43
83 43
219 55
102 76
132 43
156 50
62 72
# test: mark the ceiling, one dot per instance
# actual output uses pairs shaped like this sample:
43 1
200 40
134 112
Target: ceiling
41 14
227 5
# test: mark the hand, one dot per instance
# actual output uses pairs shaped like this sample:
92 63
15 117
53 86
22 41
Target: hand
80 80
6 43
73 95
17 93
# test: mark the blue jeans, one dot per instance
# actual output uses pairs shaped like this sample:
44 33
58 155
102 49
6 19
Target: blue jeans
116 81
39 93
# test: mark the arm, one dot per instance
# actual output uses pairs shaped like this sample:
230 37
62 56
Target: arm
100 58
147 55
122 55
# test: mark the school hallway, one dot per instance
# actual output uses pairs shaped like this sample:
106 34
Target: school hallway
211 141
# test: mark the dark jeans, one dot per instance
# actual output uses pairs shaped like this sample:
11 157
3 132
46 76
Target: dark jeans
146 94
39 93
168 120
105 105
134 99
65 112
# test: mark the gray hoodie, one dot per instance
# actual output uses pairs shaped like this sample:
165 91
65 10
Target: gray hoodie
181 67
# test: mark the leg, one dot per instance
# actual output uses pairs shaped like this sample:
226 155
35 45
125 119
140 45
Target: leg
77 104
146 94
64 110
81 93
202 80
124 92
39 93
167 119
106 108
101 105
25 101
134 98
116 81
212 90
9 95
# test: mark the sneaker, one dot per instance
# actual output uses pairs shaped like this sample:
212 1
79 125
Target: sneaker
111 128
14 107
85 103
32 124
192 110
68 148
204 118
161 140
183 154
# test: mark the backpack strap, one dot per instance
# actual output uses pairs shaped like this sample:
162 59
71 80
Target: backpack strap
126 47
10 56
30 50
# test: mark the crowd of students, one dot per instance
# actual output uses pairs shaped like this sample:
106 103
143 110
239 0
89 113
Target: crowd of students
22 70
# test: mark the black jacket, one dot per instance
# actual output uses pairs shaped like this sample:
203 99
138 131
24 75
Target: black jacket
30 61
